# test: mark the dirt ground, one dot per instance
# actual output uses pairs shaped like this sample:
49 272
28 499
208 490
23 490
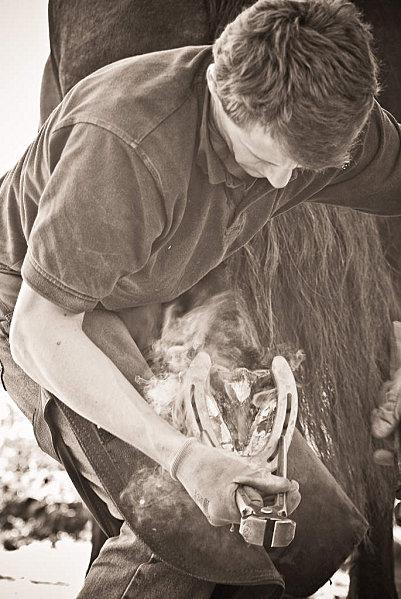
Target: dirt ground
39 571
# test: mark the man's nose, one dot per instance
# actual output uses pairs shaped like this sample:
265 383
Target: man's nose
279 177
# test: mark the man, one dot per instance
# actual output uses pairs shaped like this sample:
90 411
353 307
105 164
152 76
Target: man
147 176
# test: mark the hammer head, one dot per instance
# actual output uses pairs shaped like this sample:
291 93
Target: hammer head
282 532
267 530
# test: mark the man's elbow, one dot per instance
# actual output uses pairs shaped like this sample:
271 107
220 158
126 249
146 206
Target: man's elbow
30 347
21 338
38 328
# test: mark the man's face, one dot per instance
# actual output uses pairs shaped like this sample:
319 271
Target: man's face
254 148
258 153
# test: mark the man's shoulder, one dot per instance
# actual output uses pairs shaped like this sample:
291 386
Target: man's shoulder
135 95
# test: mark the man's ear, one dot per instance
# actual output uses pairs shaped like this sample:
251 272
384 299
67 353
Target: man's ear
210 78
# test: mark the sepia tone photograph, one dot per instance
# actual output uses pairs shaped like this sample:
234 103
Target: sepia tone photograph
200 299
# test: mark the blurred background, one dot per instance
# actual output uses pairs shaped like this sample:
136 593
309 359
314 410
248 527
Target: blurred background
24 47
44 529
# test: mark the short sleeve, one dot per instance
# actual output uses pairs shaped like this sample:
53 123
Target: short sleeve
97 218
372 181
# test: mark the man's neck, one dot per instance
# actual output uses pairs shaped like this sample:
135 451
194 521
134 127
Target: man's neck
217 119
216 122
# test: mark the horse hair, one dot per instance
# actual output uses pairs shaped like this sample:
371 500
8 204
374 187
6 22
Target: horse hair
316 278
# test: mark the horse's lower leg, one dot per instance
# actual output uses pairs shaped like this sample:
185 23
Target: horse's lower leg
372 569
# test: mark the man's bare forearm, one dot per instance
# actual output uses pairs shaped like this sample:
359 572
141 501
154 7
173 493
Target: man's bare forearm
56 353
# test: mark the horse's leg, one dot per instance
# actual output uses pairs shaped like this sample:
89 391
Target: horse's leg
372 568
385 17
50 94
372 572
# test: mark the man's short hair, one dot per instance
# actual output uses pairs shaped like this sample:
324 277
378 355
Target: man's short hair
305 70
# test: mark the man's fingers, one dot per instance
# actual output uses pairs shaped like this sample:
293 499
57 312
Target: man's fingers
293 496
383 457
267 483
384 421
293 501
386 417
252 496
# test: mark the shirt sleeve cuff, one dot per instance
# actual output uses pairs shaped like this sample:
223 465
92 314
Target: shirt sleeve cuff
53 290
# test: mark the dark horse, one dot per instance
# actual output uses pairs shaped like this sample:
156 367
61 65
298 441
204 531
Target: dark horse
315 277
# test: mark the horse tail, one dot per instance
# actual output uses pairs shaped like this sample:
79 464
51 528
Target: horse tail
316 278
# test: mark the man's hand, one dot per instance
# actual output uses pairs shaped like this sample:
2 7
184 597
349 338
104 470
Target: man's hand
386 418
211 477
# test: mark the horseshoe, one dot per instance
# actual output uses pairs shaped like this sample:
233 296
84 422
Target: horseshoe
287 410
199 422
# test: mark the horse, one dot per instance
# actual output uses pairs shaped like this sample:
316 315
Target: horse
320 278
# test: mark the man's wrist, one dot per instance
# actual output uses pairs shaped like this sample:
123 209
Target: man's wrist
179 456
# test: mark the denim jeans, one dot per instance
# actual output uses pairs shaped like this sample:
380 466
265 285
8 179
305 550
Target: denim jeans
127 568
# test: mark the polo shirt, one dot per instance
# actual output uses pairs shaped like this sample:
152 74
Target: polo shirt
129 195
